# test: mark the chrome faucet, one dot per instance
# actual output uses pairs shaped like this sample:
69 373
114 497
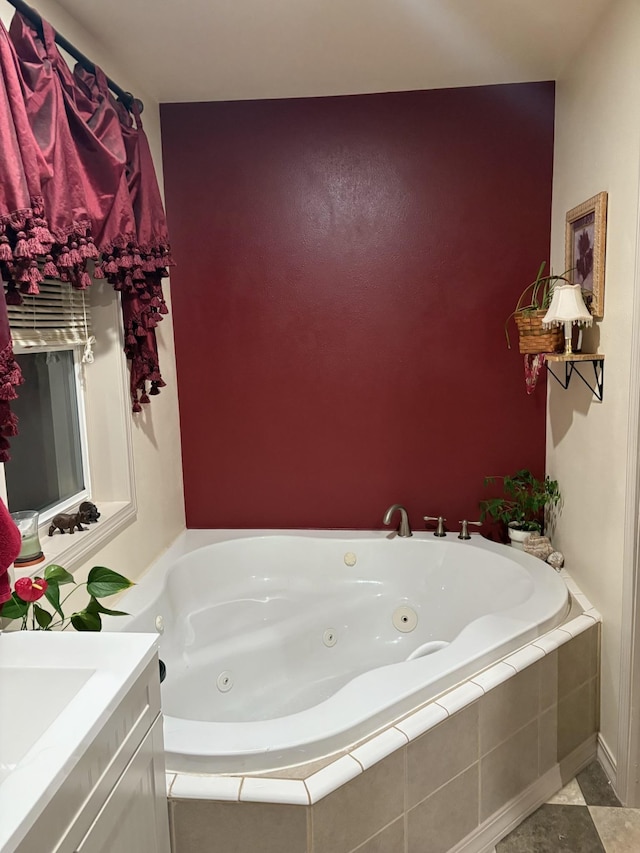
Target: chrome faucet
404 529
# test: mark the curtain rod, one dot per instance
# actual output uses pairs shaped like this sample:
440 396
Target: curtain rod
30 13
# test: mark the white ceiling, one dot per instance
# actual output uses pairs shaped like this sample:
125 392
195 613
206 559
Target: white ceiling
201 50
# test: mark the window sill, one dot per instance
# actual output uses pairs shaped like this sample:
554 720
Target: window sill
71 551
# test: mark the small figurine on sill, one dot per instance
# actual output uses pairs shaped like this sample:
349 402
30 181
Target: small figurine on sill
67 521
89 512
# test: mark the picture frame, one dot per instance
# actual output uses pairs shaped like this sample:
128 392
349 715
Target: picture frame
585 239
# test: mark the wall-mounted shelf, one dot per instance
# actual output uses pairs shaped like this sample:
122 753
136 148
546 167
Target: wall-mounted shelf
572 365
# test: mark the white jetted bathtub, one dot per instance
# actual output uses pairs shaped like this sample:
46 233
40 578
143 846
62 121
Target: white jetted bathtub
282 647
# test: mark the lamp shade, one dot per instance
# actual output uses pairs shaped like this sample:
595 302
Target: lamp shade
567 306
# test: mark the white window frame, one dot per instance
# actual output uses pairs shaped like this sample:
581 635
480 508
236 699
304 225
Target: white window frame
109 443
78 370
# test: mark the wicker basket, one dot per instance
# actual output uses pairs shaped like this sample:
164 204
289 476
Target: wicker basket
533 338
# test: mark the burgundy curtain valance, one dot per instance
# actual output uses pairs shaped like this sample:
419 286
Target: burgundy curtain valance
78 195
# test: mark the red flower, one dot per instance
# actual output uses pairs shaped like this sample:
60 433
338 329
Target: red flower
30 590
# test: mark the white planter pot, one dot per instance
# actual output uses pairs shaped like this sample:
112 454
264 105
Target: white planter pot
517 537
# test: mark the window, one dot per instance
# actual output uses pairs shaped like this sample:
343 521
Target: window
76 421
49 469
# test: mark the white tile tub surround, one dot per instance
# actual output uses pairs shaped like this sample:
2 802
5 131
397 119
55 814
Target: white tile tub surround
572 586
379 747
553 640
259 790
169 780
495 675
365 755
458 698
332 777
421 721
582 600
524 657
190 786
579 624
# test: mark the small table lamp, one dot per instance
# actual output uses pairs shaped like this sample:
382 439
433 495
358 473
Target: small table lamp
567 307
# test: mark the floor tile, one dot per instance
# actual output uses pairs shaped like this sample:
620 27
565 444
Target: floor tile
596 787
554 829
618 828
570 795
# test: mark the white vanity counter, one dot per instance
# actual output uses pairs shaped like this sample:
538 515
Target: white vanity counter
75 712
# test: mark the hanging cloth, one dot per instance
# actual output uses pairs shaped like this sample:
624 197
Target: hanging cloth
24 167
135 265
23 230
151 222
59 132
81 139
103 200
10 378
153 242
105 158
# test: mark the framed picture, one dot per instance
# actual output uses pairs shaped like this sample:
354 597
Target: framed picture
585 238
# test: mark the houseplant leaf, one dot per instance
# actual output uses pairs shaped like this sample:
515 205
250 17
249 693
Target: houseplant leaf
14 608
95 607
85 621
58 574
103 582
52 594
43 617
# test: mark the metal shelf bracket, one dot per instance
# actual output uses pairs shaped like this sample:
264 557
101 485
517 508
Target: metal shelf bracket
572 365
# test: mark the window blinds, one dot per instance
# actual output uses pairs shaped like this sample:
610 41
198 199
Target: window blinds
58 316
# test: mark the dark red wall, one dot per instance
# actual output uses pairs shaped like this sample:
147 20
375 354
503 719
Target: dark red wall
344 269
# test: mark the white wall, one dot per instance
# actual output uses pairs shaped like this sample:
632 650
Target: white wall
156 431
598 148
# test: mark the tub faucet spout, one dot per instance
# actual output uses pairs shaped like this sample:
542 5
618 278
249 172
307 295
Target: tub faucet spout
404 529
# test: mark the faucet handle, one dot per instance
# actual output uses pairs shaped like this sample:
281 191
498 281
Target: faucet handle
464 530
439 531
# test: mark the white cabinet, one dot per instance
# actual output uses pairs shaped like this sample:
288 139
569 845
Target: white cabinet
112 795
135 814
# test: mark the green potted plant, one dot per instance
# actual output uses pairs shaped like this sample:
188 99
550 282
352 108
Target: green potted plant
525 504
529 311
26 600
